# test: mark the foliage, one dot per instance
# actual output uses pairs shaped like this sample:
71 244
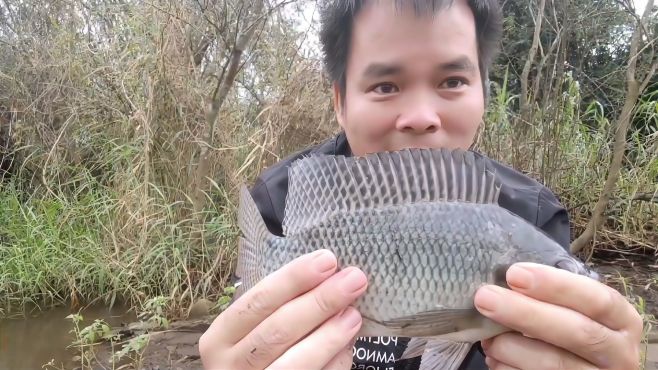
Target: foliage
572 158
103 118
87 337
133 349
99 331
225 298
154 312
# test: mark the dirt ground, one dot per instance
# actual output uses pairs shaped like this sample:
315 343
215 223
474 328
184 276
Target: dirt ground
635 276
177 348
632 275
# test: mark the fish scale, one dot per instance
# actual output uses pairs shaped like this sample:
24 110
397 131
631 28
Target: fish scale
413 235
423 225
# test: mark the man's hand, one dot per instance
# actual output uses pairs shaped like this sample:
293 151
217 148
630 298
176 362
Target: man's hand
297 317
564 321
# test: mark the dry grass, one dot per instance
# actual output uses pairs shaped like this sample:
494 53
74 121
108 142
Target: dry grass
106 125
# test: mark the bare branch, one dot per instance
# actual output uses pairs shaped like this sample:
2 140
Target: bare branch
531 59
623 123
649 76
217 100
646 197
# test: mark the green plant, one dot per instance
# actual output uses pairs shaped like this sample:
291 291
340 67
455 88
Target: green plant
133 349
225 299
154 312
87 337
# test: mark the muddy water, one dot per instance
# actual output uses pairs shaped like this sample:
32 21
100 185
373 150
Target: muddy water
32 341
29 343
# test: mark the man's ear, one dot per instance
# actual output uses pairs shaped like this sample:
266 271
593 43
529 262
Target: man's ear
338 105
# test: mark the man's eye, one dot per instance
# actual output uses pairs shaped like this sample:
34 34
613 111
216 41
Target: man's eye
453 83
385 88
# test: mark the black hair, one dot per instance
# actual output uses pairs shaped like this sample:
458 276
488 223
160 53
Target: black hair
337 17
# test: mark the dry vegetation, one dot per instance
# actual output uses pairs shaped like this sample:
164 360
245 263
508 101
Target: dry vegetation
127 127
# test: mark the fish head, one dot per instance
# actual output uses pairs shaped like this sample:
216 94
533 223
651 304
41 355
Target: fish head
533 245
574 265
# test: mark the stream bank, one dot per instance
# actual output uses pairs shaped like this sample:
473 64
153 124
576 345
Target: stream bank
30 343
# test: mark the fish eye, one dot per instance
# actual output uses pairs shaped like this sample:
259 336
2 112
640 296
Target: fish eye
574 266
567 265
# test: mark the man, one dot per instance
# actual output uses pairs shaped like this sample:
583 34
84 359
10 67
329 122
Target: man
413 75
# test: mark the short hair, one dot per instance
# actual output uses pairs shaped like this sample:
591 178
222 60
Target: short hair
337 17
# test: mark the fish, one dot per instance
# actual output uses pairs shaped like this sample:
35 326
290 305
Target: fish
425 227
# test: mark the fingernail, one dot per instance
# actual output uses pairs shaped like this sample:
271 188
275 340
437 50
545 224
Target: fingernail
485 344
519 277
324 261
486 300
353 281
350 318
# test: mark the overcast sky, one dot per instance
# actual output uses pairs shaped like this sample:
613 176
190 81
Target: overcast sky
639 5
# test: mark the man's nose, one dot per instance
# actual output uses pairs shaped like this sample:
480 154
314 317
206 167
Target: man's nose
420 119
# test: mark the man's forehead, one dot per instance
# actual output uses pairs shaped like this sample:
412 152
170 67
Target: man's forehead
381 22
387 44
420 7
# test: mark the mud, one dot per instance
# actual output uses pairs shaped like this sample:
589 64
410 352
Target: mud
633 277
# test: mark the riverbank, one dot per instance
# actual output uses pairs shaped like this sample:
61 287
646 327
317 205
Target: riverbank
177 347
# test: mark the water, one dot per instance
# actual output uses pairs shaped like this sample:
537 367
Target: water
29 343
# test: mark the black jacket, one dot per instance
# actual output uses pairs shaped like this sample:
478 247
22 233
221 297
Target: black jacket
521 195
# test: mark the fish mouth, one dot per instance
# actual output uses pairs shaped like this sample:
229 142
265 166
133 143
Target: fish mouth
577 267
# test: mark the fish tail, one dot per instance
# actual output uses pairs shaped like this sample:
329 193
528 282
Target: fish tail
251 245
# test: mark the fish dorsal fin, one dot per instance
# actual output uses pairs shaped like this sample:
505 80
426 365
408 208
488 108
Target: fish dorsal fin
323 185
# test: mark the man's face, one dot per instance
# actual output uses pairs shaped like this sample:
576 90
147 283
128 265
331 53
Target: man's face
412 82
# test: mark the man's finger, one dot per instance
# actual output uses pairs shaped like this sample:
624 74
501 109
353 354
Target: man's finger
330 344
299 317
519 352
501 366
295 278
580 293
554 324
342 361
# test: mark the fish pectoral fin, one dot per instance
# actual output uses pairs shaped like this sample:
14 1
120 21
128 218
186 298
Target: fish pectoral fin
444 354
433 323
437 353
415 348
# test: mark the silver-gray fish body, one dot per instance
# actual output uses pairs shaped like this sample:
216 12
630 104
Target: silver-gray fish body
422 257
424 225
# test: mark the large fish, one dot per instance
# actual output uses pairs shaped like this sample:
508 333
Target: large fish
424 226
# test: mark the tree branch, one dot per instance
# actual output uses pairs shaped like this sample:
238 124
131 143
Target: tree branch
619 146
531 59
217 100
646 197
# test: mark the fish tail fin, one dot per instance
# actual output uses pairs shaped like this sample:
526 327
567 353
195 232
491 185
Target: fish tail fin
251 245
437 353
